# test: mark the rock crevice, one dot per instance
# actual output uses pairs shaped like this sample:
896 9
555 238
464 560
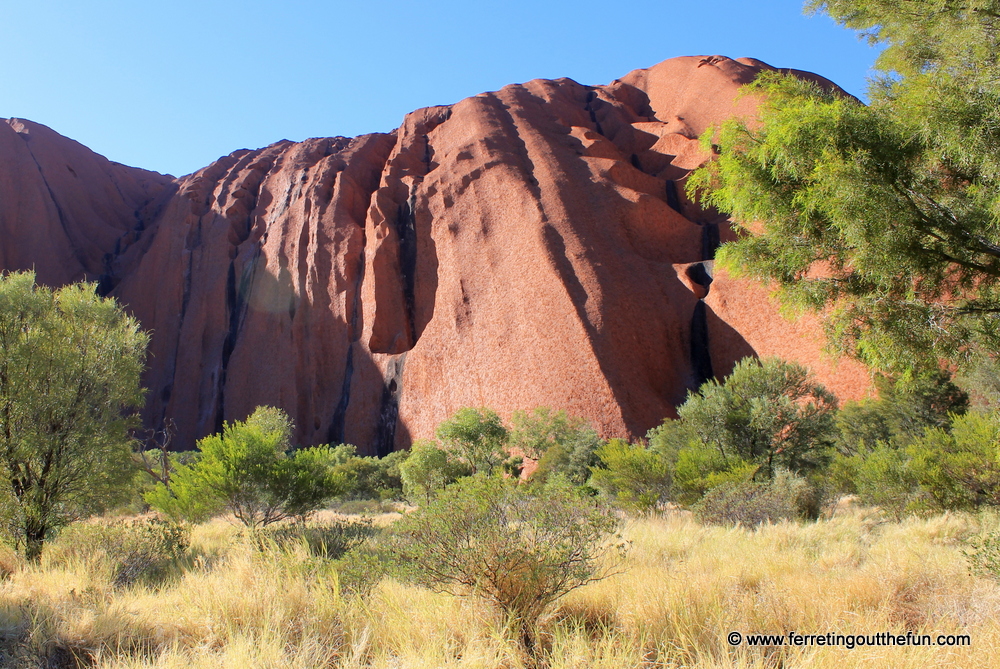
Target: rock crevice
527 247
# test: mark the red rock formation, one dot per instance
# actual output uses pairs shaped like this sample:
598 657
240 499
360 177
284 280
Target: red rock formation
530 246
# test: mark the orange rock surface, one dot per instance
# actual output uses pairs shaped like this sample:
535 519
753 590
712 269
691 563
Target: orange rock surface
524 247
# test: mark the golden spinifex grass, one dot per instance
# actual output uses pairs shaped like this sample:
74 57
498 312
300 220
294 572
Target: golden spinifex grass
686 586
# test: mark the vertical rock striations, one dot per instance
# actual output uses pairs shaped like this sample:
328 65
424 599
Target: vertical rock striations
524 247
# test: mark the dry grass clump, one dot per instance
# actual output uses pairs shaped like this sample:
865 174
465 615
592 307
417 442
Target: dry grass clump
228 603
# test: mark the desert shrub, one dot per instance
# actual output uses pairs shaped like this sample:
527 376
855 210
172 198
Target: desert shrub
862 424
907 405
370 477
563 445
328 540
360 569
428 470
363 507
784 496
954 468
700 468
476 437
769 412
880 477
631 475
128 551
983 555
247 470
571 457
520 547
959 469
919 399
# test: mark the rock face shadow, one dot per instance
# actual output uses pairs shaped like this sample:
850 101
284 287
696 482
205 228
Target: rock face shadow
725 344
524 247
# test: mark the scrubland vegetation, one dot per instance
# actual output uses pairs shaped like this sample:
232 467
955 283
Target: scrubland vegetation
767 507
232 601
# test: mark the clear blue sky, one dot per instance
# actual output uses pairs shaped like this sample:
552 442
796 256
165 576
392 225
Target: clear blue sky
171 86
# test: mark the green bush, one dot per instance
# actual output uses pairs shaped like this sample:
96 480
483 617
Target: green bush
572 457
520 547
538 432
631 475
750 503
983 555
880 477
428 470
363 507
247 470
770 412
907 405
329 540
478 438
128 551
363 567
959 469
700 468
954 468
370 477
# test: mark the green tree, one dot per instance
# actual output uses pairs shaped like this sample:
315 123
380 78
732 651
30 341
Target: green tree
520 547
956 467
248 471
771 413
561 444
370 477
631 475
477 437
428 470
886 217
959 469
907 405
571 459
534 432
70 366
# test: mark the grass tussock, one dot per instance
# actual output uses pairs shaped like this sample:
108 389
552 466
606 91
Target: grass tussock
230 602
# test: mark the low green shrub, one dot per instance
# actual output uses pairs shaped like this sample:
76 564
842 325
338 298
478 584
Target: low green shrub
880 477
631 475
428 470
360 569
983 555
364 507
329 540
751 503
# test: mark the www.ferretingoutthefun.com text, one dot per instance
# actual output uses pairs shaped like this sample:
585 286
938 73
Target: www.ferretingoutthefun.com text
849 641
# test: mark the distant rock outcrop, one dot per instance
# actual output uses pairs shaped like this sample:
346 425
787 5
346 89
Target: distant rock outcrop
530 246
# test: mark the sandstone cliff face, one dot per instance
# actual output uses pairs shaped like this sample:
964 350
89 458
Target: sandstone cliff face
530 246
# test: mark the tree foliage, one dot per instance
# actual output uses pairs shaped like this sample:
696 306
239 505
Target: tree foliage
906 406
561 444
634 476
369 477
428 470
771 413
477 437
70 366
885 216
248 471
